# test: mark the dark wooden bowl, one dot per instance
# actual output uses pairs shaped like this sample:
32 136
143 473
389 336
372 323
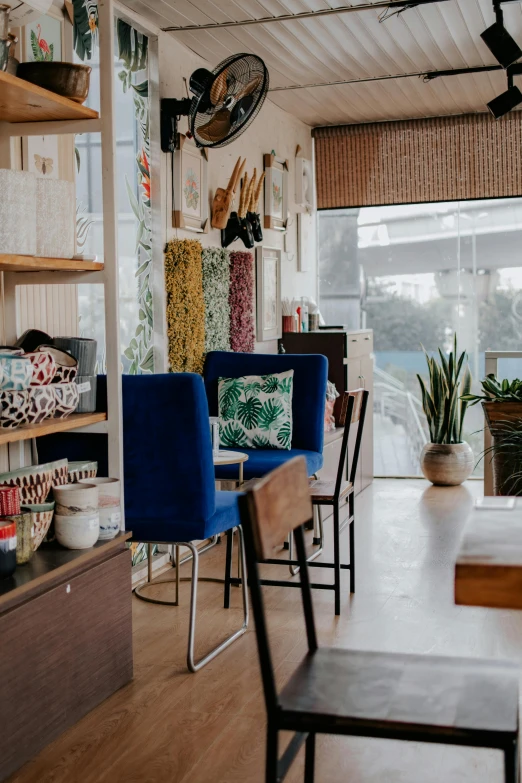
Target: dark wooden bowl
66 79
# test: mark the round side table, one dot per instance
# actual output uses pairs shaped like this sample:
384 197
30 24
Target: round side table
223 457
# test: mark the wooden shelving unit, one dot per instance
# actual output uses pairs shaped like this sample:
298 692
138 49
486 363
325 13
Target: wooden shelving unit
13 263
21 101
28 110
50 426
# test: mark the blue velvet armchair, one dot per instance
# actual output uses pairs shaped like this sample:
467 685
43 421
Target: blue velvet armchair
308 403
169 484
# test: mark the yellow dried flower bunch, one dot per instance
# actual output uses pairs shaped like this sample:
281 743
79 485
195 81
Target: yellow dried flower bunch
185 305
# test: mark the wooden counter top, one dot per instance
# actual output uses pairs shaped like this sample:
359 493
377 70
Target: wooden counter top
50 565
488 571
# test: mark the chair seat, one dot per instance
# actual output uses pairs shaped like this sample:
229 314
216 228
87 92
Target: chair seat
379 692
225 517
262 461
324 491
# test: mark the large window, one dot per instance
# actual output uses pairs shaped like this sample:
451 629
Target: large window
416 274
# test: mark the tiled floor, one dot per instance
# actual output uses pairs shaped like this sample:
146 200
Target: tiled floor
172 726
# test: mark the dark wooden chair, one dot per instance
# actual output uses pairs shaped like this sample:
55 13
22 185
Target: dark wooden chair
333 493
420 698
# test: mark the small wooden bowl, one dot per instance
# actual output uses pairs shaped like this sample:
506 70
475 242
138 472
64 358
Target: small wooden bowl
66 79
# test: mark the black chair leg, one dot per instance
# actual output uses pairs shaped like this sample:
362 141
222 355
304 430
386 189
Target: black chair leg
337 560
352 546
228 569
272 751
309 759
511 764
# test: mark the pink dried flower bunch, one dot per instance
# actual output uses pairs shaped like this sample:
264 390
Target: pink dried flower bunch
241 298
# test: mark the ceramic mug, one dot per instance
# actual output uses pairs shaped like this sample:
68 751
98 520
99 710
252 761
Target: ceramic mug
67 397
14 409
66 365
24 545
16 372
42 403
76 500
109 494
9 500
77 532
44 367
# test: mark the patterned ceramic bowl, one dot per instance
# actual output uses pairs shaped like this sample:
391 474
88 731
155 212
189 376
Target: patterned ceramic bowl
66 365
44 367
14 409
32 338
42 403
16 372
67 397
60 470
81 470
42 516
34 482
11 350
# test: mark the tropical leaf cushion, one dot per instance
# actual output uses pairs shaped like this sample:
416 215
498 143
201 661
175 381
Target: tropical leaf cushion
255 411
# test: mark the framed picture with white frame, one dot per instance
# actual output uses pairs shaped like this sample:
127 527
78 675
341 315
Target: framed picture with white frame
276 192
190 205
268 293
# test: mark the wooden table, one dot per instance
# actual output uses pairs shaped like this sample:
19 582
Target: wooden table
223 457
65 642
488 570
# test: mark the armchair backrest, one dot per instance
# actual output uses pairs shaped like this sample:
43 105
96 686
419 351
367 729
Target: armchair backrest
309 395
167 448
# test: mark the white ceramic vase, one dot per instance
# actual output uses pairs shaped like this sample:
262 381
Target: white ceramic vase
447 465
76 500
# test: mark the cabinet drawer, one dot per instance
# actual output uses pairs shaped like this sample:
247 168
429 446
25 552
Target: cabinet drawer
358 344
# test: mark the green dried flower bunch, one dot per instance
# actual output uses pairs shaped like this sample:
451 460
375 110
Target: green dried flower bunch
441 400
216 287
185 308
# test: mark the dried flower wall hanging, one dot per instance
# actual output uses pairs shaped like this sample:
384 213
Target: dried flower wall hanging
216 288
185 305
242 336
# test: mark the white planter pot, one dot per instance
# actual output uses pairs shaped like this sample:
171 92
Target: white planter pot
79 532
447 465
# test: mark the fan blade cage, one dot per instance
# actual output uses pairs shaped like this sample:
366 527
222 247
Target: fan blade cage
231 102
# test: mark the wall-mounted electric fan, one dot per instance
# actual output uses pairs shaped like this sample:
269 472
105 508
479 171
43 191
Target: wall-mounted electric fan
226 100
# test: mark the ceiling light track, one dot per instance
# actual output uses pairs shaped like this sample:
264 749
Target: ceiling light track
426 76
390 5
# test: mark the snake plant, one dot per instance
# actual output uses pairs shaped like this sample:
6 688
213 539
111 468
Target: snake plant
496 391
446 389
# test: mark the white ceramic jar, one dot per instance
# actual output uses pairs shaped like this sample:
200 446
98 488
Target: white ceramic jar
109 505
76 499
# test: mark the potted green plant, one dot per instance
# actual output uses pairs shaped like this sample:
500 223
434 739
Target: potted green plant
502 405
447 460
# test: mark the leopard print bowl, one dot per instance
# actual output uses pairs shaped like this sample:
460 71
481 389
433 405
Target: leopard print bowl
66 396
34 482
42 404
14 409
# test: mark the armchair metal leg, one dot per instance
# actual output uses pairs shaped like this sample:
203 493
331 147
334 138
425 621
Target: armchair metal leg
191 663
309 759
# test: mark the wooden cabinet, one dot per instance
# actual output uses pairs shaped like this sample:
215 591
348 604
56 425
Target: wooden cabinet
65 643
350 366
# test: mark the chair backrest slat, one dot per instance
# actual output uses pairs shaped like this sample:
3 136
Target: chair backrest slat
353 411
279 503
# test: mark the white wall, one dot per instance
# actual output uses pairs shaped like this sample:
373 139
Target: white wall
273 129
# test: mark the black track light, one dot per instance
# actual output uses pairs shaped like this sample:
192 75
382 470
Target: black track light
505 102
501 44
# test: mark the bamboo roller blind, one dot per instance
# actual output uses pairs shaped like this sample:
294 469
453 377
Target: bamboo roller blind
439 159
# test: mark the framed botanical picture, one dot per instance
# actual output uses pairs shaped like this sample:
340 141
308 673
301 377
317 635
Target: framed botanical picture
276 192
42 39
268 293
190 206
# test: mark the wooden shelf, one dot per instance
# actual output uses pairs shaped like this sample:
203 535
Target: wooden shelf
21 101
50 426
13 263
